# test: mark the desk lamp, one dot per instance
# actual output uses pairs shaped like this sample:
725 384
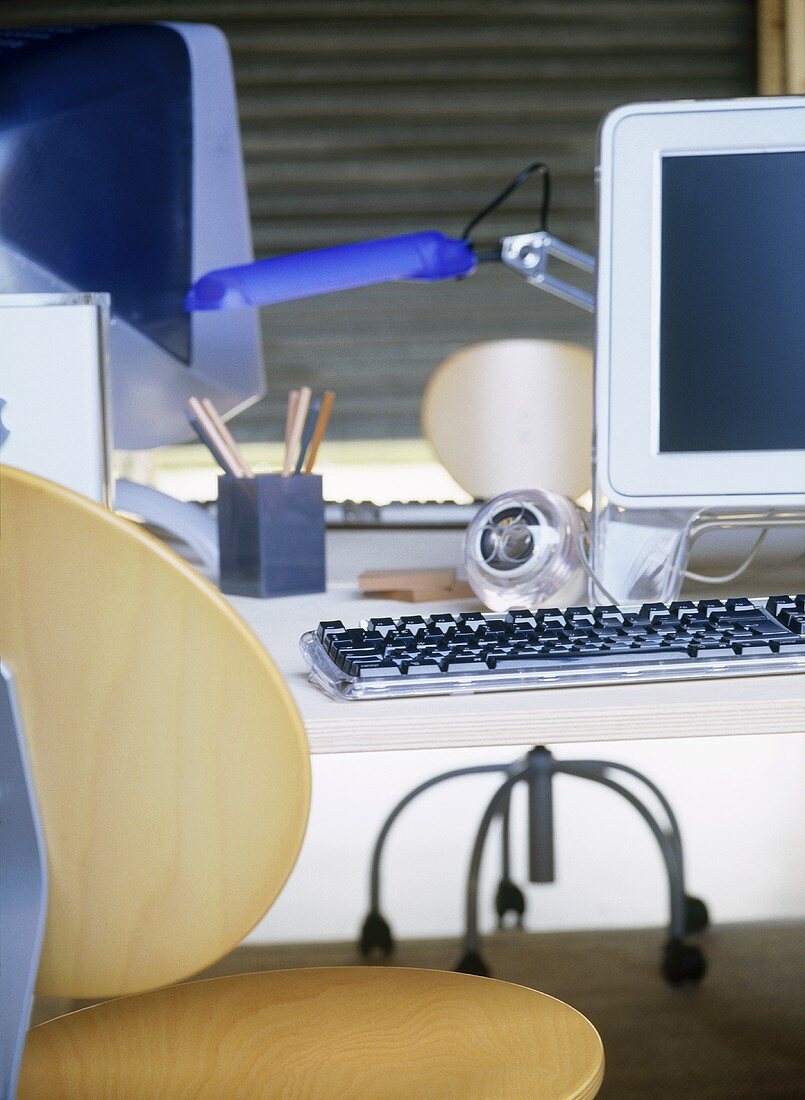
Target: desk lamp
424 257
429 257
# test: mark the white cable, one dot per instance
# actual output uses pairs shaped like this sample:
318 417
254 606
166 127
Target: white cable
703 579
588 569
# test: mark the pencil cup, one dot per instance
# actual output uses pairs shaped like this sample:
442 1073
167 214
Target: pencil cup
271 535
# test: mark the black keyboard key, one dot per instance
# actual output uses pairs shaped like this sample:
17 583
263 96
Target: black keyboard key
353 664
466 663
330 628
521 662
768 628
699 623
786 614
609 613
474 619
346 661
683 608
708 607
426 668
342 645
519 615
791 644
415 624
552 616
441 622
637 625
796 623
654 611
387 670
579 615
753 647
739 606
383 625
775 604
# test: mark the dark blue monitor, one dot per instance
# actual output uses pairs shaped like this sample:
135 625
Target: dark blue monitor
121 171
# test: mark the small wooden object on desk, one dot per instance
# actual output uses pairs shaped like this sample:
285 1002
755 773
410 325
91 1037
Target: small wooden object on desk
414 585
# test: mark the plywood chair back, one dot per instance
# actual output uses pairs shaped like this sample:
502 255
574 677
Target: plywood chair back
513 414
169 759
172 774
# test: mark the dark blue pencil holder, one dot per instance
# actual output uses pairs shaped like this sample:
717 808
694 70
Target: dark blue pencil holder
271 535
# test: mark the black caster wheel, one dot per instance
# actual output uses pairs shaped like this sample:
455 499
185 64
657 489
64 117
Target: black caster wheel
509 899
683 962
472 963
696 916
376 936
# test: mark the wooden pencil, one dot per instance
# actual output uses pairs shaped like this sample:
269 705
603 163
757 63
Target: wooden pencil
206 431
290 414
226 435
297 429
321 427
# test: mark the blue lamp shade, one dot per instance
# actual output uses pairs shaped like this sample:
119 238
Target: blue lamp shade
427 257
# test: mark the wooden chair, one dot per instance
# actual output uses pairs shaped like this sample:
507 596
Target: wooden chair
513 414
173 778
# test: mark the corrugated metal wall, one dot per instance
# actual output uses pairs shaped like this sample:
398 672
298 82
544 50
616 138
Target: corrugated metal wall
366 118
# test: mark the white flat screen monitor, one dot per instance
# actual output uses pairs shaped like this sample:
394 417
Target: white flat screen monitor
700 345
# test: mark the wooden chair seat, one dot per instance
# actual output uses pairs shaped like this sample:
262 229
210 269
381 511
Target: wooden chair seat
362 1032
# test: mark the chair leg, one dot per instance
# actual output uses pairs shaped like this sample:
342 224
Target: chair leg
541 861
376 933
471 961
697 917
681 961
509 897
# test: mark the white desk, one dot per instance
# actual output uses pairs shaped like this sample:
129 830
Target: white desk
687 708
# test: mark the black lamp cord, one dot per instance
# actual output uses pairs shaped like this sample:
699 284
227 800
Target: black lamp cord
536 167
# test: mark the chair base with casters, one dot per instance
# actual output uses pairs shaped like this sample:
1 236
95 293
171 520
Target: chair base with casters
681 961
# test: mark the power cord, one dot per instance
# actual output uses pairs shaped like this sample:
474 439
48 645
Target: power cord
581 546
703 578
700 578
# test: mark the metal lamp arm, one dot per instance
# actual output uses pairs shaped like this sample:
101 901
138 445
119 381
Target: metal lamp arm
527 254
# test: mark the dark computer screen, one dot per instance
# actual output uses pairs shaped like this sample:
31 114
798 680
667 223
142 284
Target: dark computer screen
95 166
732 302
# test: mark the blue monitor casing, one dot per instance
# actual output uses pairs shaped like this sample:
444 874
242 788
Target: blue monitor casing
121 171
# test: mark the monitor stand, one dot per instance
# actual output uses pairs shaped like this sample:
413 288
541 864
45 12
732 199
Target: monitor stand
641 555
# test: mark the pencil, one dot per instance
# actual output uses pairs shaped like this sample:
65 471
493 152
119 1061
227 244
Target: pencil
222 459
296 429
307 434
293 401
225 433
320 429
214 440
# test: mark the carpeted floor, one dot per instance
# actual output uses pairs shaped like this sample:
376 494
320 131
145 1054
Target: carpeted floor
740 1035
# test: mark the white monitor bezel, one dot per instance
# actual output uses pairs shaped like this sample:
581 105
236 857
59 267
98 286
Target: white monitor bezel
630 469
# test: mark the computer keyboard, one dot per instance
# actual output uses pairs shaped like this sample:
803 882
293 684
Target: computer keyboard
446 653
